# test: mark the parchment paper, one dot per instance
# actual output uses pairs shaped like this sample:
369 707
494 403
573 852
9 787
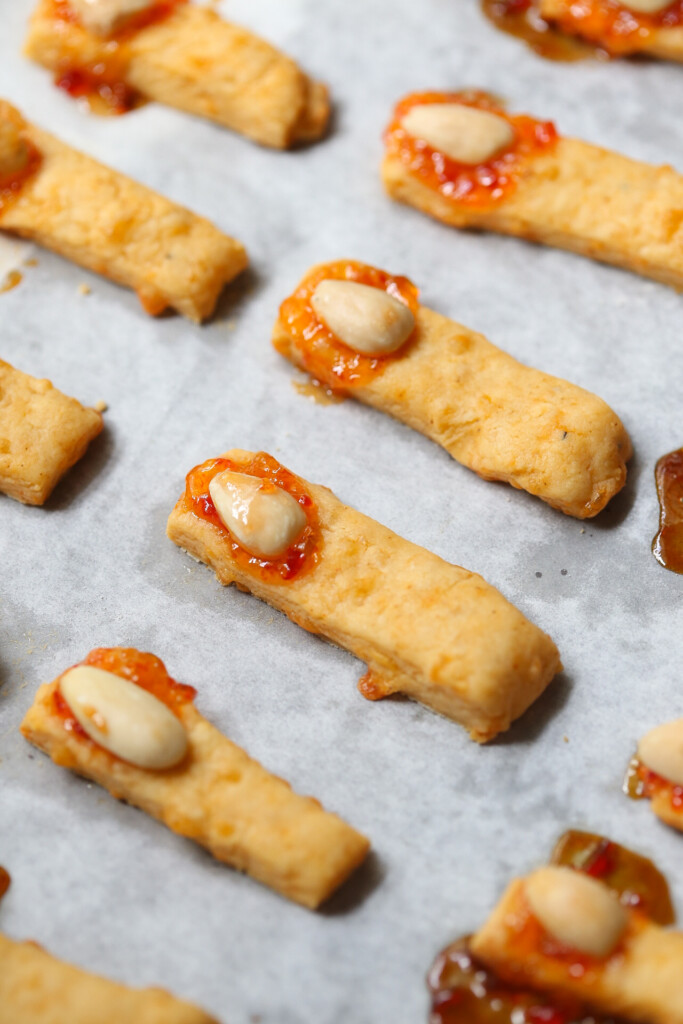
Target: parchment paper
106 887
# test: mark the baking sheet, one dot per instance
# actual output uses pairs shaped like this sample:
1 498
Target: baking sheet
99 883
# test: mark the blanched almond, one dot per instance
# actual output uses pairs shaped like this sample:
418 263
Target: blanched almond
646 6
123 718
661 750
576 910
366 319
104 16
263 518
467 135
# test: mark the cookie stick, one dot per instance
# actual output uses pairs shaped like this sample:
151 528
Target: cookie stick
42 434
185 56
181 770
346 325
426 628
653 27
106 222
622 964
37 988
513 175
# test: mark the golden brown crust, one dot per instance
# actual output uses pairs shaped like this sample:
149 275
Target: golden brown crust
42 434
577 197
222 799
666 43
116 227
426 628
641 981
196 61
36 988
501 419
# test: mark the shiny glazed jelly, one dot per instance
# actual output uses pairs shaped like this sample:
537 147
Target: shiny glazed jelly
667 546
145 670
101 82
328 360
301 557
480 187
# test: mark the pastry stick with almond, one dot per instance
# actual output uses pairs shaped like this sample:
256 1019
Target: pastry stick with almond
120 720
656 772
104 221
362 332
463 159
564 932
181 54
425 628
622 27
572 919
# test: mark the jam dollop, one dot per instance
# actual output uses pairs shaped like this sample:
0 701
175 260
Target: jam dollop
641 783
613 26
5 881
145 670
523 19
667 546
480 187
101 82
12 182
325 357
101 85
639 883
301 557
464 991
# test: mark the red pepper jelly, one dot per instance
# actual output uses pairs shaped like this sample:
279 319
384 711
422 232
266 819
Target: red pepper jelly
328 360
28 160
480 187
102 82
145 670
667 546
464 991
641 783
523 19
611 25
301 557
638 881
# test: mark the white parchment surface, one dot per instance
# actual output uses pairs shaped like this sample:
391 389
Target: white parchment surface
101 884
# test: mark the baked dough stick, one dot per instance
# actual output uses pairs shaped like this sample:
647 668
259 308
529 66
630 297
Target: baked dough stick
196 781
653 27
36 988
464 990
110 224
579 941
42 434
514 175
656 772
426 628
182 55
501 419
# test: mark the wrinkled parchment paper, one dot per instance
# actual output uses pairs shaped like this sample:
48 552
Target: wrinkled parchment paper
101 884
